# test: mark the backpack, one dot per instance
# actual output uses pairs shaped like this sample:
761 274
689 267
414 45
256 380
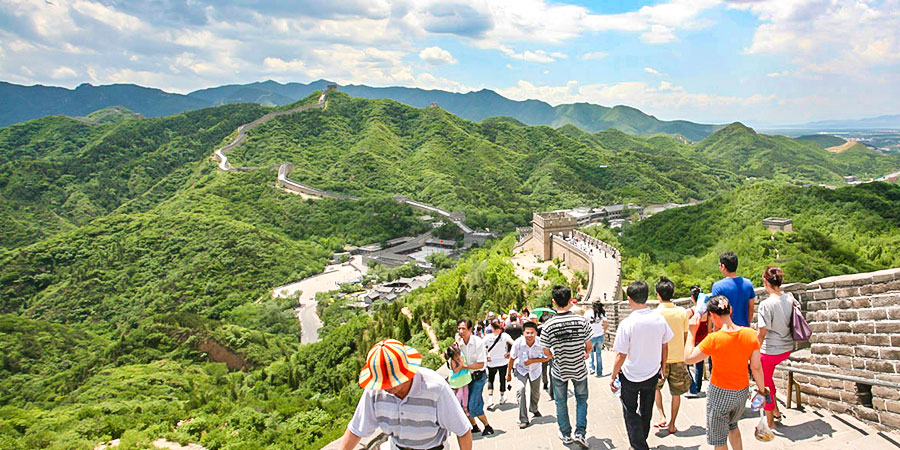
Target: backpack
800 329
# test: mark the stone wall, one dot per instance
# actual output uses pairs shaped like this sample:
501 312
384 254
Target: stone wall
573 257
856 331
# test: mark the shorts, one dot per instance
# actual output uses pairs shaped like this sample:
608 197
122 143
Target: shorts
723 410
678 378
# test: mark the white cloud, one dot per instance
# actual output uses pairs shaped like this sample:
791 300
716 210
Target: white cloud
63 72
658 34
535 56
828 36
783 73
594 55
667 99
652 71
436 56
279 65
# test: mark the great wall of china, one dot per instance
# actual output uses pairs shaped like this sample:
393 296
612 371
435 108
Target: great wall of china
855 318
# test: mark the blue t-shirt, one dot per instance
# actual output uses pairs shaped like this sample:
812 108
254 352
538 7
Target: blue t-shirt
738 291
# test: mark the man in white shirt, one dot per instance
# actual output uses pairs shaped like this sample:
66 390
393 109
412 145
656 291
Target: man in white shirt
473 351
525 361
640 361
412 404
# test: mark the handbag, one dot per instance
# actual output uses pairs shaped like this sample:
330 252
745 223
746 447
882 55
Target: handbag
799 326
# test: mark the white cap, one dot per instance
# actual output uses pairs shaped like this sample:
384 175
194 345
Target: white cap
512 311
491 314
533 316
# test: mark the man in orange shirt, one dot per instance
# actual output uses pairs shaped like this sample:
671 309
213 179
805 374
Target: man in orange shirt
730 348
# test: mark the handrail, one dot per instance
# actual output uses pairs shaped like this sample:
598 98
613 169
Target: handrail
837 376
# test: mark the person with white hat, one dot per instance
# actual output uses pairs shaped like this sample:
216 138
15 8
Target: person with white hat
412 404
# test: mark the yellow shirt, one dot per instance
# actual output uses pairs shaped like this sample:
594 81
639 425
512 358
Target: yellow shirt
677 319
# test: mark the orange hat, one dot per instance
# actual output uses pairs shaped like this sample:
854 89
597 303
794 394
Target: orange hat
389 364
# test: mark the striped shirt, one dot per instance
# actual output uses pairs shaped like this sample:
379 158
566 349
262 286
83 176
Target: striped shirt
421 420
565 334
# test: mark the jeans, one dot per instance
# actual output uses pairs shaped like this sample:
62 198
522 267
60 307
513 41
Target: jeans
535 387
697 382
476 401
637 404
596 355
561 395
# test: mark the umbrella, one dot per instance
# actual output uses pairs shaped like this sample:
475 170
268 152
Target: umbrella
541 311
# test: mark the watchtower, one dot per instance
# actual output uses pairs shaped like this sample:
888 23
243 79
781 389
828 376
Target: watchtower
545 225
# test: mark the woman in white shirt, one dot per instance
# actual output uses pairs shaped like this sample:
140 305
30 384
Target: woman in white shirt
775 337
495 344
597 318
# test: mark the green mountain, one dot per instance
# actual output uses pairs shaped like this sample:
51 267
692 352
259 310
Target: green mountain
57 172
752 155
112 114
497 171
23 103
822 140
836 231
33 102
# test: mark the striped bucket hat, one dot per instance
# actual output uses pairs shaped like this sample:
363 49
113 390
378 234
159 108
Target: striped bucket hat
389 364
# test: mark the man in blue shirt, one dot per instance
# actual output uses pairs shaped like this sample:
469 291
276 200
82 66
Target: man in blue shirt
738 290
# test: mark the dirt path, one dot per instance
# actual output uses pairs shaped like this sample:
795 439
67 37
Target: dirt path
432 336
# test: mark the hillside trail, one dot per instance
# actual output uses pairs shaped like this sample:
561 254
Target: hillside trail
432 336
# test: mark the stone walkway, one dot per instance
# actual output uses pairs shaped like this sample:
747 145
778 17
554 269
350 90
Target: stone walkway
809 429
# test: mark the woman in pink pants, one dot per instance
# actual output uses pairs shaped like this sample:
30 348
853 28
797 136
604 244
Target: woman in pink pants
775 338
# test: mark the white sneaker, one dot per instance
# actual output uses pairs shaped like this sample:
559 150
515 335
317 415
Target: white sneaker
490 406
579 439
565 439
502 398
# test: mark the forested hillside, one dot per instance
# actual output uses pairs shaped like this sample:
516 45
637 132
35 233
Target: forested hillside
56 172
753 155
847 230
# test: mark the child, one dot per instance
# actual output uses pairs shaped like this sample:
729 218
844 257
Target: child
459 378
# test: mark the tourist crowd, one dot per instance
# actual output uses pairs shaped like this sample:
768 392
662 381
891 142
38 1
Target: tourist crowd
559 348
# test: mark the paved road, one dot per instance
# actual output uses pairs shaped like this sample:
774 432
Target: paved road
324 282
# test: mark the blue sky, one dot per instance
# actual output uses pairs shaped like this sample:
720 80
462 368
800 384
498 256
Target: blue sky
758 61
